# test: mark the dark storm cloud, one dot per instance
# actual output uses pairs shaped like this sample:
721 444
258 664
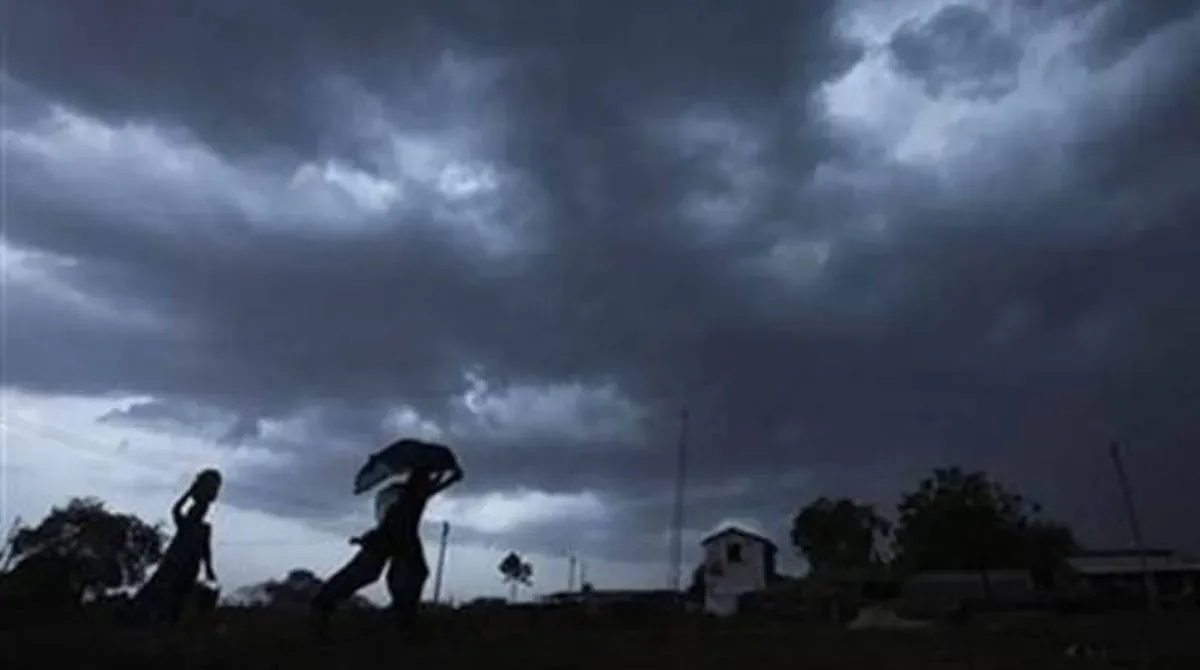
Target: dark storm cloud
1126 25
1007 327
243 77
958 51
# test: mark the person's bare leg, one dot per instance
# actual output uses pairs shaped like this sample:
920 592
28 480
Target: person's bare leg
405 583
364 568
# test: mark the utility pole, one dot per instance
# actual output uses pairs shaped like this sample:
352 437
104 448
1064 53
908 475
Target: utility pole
572 563
1135 528
676 557
441 564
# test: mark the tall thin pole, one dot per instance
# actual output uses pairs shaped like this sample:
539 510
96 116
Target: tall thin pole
1135 528
572 561
676 578
441 564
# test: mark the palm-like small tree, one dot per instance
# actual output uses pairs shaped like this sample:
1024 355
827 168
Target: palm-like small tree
516 573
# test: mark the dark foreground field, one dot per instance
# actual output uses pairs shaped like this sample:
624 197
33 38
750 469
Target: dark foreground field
245 639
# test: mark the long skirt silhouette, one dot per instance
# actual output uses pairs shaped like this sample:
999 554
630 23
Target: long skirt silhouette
165 596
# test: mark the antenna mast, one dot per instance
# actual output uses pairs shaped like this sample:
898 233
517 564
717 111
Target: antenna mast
676 558
1135 528
572 564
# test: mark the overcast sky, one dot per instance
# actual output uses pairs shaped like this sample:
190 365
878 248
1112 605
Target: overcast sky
856 239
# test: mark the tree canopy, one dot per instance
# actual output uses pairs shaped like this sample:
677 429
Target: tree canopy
838 534
957 520
100 548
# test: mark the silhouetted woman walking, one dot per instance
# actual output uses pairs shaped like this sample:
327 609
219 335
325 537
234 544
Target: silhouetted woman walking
393 545
163 598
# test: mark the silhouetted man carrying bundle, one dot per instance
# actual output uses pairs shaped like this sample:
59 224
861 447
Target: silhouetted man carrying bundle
395 542
163 598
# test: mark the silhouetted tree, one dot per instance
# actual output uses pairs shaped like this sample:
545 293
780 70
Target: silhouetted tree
6 551
516 573
958 520
838 534
99 548
1047 546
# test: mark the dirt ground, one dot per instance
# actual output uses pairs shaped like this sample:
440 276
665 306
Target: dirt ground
242 639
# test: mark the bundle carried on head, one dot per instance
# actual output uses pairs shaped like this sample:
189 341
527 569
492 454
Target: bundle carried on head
418 455
206 486
401 459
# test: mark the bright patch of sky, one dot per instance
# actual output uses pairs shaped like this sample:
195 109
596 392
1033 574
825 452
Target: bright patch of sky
571 411
52 449
499 512
963 137
136 171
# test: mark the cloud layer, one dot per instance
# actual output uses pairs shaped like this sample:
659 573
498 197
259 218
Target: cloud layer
854 240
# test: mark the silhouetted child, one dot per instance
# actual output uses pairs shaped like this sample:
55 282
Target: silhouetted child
394 544
163 598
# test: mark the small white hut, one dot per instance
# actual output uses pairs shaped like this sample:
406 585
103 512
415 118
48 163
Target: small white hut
736 562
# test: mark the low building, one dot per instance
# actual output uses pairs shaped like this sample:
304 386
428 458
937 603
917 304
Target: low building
737 562
1116 576
934 592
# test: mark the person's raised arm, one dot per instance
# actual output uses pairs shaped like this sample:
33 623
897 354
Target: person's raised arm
450 477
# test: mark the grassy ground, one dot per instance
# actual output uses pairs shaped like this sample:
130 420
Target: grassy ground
236 640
